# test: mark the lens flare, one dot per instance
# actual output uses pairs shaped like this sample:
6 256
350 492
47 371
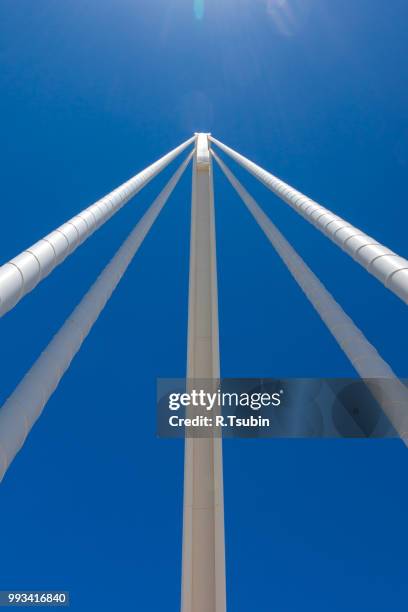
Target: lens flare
282 15
199 9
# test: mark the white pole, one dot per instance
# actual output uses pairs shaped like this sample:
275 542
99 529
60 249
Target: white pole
28 400
388 267
390 393
203 568
20 275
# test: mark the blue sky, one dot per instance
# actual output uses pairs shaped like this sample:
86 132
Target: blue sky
314 91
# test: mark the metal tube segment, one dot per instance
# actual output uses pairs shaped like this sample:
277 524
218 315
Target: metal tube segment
203 566
21 274
28 400
388 267
390 393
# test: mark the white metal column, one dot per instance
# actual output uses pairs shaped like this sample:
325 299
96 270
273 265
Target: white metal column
203 569
388 267
21 274
390 393
25 405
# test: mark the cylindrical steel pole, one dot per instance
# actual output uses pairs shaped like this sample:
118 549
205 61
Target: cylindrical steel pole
27 402
388 267
20 275
390 393
203 571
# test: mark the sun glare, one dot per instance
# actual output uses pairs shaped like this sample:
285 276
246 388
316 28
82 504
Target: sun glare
199 9
282 15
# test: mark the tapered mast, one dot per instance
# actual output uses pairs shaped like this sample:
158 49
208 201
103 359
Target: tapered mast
203 568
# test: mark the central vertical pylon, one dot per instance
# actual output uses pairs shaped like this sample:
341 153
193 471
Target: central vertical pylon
203 571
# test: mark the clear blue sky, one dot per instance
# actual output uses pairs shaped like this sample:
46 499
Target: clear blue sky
92 92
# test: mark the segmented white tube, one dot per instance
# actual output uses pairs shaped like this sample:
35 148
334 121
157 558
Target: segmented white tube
21 274
27 402
384 385
388 267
